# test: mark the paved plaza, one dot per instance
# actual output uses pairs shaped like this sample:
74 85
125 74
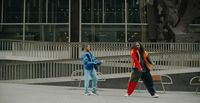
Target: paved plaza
20 93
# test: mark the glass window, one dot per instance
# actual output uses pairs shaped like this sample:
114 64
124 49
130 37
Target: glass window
136 33
196 21
0 10
133 11
98 11
35 11
47 32
40 32
103 33
62 11
62 33
33 32
114 11
58 11
57 33
11 32
86 11
13 11
92 11
194 31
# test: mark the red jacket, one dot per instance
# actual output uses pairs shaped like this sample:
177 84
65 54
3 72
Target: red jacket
135 56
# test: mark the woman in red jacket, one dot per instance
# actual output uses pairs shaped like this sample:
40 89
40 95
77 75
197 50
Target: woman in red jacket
140 69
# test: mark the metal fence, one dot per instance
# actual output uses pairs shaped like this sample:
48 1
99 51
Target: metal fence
112 65
56 50
116 56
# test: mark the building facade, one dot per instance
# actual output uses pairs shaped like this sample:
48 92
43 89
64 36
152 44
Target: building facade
71 20
76 20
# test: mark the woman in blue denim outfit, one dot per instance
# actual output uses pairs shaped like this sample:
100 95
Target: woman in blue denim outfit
89 64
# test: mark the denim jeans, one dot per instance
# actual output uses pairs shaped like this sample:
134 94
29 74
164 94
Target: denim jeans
90 75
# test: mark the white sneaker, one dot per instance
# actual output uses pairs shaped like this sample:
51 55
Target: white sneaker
94 94
126 95
86 94
155 96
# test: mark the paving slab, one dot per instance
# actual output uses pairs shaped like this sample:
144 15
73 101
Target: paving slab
21 93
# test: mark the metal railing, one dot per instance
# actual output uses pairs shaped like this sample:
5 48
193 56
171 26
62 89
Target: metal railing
56 50
117 65
34 49
168 57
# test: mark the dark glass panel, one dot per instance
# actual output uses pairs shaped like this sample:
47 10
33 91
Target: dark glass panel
58 33
0 10
133 11
58 11
114 11
11 32
13 11
62 33
92 11
33 33
35 11
103 33
196 21
136 32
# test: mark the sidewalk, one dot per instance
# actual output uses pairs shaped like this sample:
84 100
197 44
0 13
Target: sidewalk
20 93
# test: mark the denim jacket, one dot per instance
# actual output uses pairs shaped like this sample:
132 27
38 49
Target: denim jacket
89 61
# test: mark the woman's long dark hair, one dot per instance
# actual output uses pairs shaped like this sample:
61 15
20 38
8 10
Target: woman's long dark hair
141 46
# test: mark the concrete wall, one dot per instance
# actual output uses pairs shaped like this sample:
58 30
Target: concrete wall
180 83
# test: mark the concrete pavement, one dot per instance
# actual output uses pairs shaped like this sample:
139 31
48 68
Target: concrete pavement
20 93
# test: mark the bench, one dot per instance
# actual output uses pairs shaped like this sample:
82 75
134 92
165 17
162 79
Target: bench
160 79
195 81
